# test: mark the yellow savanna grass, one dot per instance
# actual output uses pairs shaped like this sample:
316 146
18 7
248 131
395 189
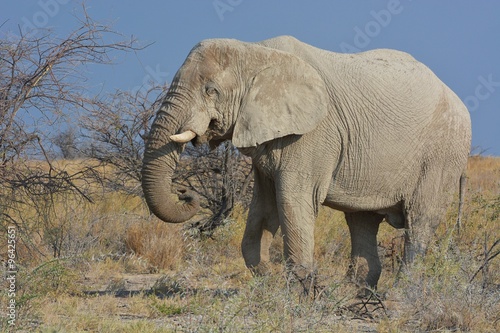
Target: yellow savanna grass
483 174
455 288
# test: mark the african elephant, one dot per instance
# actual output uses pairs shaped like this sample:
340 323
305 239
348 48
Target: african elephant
375 135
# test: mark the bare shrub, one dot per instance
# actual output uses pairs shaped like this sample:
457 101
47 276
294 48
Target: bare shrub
41 82
221 177
114 130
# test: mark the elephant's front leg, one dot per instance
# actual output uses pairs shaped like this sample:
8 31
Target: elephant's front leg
262 224
297 212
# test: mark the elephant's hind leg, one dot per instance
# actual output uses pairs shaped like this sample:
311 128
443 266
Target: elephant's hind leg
365 266
425 210
262 224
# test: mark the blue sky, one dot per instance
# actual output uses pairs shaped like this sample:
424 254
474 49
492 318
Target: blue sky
458 39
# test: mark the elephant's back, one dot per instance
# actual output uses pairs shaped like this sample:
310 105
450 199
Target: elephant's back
399 116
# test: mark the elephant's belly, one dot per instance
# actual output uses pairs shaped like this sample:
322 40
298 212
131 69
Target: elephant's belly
393 213
340 207
352 203
369 189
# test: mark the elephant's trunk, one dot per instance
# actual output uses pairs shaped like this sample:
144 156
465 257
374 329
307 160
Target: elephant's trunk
160 160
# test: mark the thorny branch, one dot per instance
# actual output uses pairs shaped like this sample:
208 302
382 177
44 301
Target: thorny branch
489 255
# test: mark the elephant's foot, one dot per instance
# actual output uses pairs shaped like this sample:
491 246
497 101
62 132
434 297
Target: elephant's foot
307 281
363 276
261 269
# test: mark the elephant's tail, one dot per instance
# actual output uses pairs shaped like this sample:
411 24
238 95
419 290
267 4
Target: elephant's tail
461 193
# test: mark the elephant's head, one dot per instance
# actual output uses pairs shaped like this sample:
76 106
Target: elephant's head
227 89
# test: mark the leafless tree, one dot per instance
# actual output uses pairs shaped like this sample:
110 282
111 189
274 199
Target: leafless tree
41 80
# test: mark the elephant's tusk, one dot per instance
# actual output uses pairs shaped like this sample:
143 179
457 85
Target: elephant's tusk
183 137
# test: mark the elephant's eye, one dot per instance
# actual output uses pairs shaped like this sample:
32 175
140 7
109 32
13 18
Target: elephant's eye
211 90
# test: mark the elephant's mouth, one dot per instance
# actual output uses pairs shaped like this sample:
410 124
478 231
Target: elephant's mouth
214 135
199 140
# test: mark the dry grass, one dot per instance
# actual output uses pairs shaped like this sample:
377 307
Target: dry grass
160 244
483 173
113 247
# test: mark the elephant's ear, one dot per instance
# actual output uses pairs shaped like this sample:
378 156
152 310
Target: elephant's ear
288 97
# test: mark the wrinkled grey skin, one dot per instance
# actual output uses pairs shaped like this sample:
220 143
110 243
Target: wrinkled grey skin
375 134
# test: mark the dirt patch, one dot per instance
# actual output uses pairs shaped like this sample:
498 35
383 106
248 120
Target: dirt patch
174 305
